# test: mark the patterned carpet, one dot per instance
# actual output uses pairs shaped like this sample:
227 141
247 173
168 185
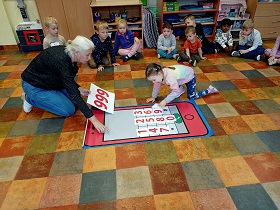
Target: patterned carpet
43 165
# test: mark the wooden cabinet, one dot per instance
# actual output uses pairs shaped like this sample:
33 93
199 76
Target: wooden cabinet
202 13
74 16
266 16
134 8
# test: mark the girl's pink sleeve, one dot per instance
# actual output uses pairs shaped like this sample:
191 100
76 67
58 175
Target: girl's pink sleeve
156 89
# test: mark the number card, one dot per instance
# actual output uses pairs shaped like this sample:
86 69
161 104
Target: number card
101 99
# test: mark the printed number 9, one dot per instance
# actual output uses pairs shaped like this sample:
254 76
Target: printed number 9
100 104
101 98
102 92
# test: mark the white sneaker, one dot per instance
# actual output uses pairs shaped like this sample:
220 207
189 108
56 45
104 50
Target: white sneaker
212 89
158 55
274 61
175 56
258 57
26 106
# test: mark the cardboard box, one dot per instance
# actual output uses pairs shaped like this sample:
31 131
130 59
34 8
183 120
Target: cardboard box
170 6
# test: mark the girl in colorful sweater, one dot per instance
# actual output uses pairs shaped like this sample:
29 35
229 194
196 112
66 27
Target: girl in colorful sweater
174 77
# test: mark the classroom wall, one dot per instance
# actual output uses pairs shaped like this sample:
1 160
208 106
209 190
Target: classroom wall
10 17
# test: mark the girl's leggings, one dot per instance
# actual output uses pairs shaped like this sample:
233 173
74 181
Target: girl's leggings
191 86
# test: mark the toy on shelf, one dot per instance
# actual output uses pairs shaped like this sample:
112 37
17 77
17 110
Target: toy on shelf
232 9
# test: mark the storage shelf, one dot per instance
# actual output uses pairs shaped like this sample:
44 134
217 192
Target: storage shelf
134 8
189 11
128 23
213 13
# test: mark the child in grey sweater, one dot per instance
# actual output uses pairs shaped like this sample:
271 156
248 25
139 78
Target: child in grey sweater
166 44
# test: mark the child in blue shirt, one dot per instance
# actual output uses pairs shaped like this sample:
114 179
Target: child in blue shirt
125 39
250 42
103 45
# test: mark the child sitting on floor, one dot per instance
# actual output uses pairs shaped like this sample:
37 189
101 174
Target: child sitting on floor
274 53
125 39
191 52
207 46
223 37
166 44
250 42
53 38
103 44
174 76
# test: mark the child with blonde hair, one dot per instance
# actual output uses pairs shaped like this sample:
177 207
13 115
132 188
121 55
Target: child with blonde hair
103 44
125 39
174 77
250 42
207 46
52 38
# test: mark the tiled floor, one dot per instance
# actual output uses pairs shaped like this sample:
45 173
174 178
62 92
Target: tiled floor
43 165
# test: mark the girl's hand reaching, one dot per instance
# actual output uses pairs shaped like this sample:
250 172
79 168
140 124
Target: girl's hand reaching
150 100
162 103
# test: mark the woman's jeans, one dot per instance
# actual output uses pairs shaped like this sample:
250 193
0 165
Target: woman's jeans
55 101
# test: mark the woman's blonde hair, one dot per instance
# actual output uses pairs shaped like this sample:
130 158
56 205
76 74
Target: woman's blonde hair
50 20
79 44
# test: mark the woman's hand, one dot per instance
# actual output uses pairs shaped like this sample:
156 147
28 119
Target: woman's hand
98 125
150 100
84 92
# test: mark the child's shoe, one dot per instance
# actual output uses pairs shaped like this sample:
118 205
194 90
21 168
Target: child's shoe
212 89
177 57
125 58
274 61
137 55
158 55
235 54
260 57
194 63
26 106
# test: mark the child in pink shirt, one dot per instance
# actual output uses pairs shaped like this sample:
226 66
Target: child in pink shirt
174 76
274 53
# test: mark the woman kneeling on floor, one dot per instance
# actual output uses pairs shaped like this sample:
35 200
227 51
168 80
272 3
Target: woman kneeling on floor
49 81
